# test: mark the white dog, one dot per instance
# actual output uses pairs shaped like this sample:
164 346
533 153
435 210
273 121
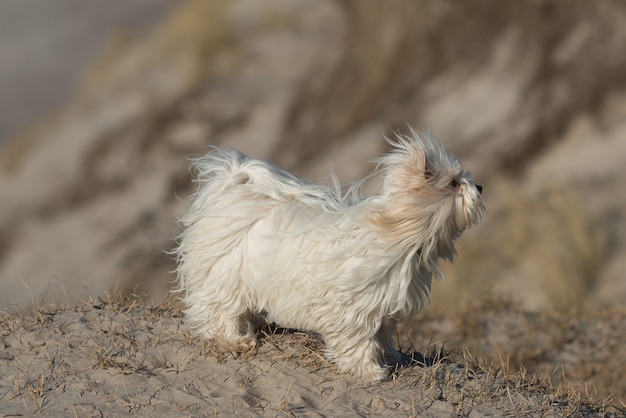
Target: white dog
259 241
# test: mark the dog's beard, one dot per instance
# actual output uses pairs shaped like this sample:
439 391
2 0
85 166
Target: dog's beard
259 239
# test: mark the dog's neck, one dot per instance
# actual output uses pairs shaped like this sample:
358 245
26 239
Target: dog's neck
422 231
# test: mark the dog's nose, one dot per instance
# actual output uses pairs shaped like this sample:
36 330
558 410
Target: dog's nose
480 188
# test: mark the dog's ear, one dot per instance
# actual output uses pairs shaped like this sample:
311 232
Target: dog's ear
413 169
418 166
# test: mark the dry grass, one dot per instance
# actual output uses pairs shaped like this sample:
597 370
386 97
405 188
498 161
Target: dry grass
569 350
119 355
465 382
299 349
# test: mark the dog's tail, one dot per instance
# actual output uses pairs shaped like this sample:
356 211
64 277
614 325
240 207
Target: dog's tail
225 205
221 166
224 171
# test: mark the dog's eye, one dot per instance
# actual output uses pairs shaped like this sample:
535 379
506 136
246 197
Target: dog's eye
454 184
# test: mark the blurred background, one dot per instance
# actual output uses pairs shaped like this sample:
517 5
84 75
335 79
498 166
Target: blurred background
101 103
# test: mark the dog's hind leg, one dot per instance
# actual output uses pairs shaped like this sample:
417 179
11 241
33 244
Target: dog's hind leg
224 319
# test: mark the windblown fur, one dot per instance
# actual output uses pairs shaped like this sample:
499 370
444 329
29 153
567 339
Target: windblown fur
259 241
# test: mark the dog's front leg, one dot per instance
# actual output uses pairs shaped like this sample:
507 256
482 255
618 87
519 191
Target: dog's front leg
359 354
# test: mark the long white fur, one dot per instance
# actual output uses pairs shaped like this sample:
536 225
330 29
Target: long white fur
260 241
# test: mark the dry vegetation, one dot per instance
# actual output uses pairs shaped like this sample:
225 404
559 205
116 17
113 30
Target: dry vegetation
120 357
577 348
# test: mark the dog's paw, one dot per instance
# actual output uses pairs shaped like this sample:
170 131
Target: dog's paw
373 373
243 344
246 344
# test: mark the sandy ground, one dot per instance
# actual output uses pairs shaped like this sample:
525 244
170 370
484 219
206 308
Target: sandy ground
104 358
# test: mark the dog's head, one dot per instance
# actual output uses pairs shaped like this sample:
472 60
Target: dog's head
427 198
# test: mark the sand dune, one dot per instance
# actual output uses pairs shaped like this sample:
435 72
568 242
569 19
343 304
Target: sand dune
105 358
